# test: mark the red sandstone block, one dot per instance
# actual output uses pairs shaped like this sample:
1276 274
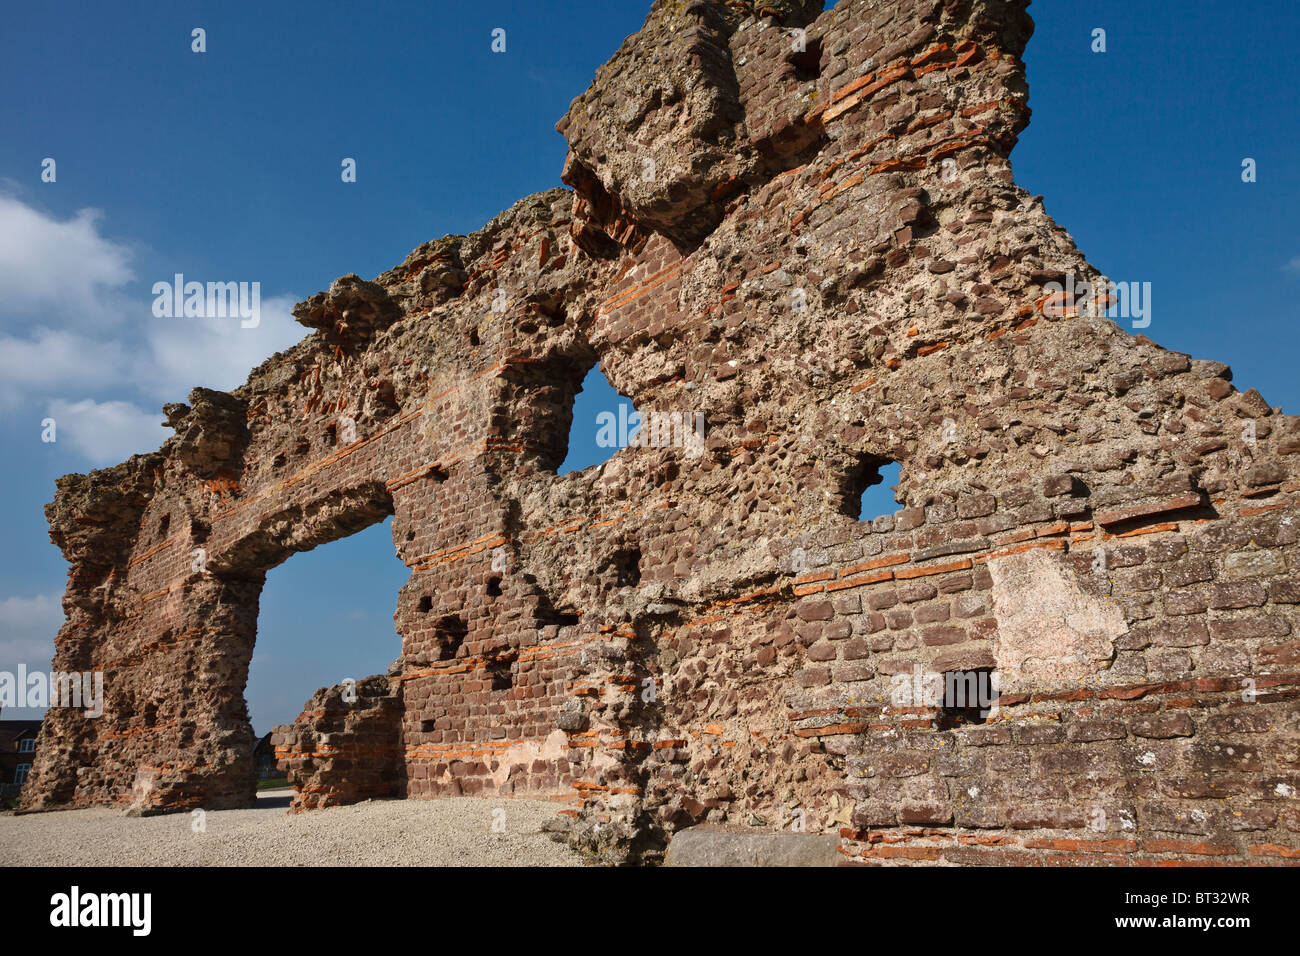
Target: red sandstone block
926 122
1178 846
1251 512
903 853
833 730
813 578
1119 515
854 180
860 580
967 51
897 165
926 571
1015 537
851 88
882 562
1130 692
1274 849
979 108
938 51
1084 846
1154 529
984 839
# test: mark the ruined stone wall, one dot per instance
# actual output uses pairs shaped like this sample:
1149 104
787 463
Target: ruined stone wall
818 246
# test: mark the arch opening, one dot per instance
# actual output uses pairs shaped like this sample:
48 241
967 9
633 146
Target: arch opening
603 423
325 617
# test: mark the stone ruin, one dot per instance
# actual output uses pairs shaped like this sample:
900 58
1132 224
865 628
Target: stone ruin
814 240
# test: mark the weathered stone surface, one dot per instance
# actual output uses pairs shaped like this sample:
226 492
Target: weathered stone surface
703 846
1050 633
832 265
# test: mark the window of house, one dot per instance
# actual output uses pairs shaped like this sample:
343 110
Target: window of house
27 745
20 773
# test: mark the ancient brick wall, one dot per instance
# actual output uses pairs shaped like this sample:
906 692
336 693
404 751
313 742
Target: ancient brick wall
814 241
345 747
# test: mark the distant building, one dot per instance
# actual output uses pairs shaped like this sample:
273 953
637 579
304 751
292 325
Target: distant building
264 759
17 753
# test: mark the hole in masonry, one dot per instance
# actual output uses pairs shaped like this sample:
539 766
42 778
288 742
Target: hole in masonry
622 568
871 494
163 525
150 715
807 63
448 636
331 433
428 726
967 697
501 675
603 422
494 587
426 604
548 615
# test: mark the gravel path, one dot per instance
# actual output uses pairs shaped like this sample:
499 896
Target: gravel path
455 831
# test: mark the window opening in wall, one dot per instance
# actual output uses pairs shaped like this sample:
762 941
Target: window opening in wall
603 422
872 489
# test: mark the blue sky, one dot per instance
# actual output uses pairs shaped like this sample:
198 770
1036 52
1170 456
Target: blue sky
224 165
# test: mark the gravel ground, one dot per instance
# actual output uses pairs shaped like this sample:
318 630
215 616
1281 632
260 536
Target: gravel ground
450 832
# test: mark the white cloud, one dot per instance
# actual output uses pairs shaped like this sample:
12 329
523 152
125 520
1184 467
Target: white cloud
27 629
166 359
75 347
52 359
62 268
214 353
106 433
1293 265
